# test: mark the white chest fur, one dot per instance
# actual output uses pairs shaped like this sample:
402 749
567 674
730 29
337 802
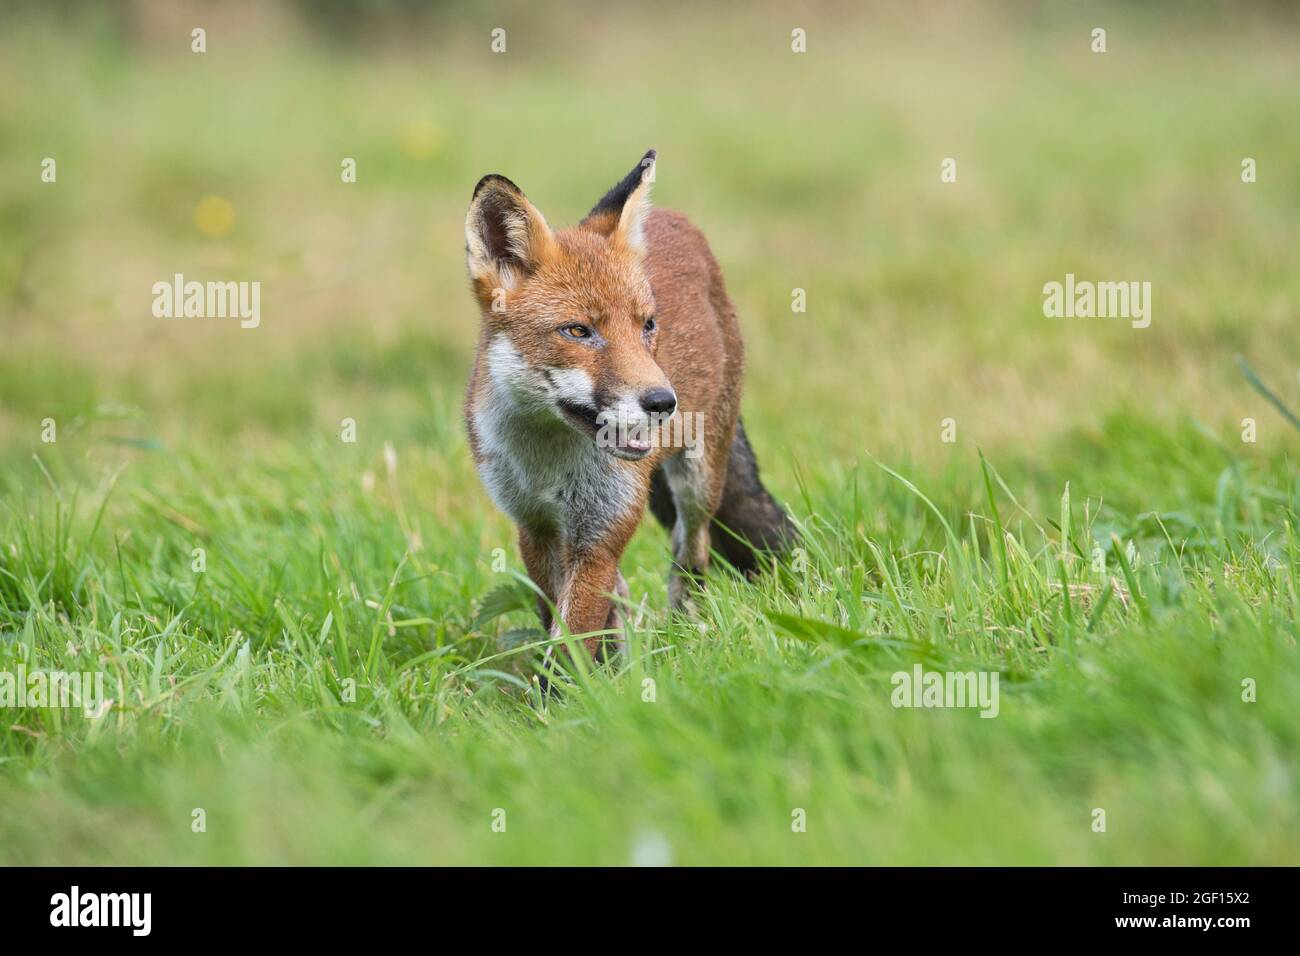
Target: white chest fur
545 474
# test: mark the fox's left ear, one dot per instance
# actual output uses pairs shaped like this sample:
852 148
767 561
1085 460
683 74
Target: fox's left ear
621 214
506 237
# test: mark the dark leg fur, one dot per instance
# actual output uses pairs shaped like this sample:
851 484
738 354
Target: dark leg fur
661 500
748 518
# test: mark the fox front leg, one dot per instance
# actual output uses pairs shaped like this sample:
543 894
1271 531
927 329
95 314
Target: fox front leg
616 619
541 559
585 604
600 647
695 490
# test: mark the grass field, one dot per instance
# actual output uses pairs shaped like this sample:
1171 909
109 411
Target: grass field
347 679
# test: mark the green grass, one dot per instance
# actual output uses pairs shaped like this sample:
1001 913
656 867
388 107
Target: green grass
349 678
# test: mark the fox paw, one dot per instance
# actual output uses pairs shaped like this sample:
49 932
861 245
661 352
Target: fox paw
681 594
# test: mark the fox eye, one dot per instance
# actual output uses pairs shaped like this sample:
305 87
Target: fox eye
575 331
649 325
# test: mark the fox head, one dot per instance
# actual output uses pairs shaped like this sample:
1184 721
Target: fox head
569 318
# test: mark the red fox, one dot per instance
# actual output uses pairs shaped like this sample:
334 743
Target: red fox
598 344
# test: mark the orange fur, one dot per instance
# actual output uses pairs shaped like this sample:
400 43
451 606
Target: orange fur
578 505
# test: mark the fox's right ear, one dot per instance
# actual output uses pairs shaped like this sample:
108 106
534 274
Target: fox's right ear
620 215
506 237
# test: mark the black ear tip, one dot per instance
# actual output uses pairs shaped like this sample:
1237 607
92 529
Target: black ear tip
493 178
614 199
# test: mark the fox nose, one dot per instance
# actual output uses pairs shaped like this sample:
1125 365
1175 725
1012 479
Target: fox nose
659 401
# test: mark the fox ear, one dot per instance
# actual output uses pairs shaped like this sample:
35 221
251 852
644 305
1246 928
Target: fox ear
621 214
506 237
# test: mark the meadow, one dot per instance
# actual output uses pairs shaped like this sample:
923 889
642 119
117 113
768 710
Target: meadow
322 651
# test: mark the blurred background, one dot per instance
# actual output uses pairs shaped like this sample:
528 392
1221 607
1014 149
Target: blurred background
817 171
